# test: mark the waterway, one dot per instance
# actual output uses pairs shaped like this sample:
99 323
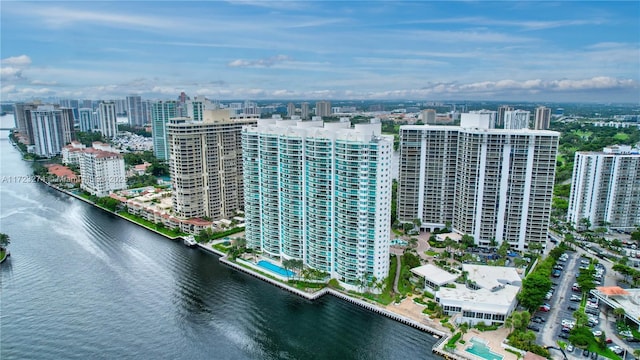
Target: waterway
81 283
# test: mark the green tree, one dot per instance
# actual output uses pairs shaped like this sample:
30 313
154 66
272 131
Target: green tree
619 313
468 240
4 240
534 289
503 249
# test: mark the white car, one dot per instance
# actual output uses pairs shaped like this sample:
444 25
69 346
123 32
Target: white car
569 348
597 333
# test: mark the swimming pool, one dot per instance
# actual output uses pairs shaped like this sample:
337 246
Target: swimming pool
398 242
479 348
275 268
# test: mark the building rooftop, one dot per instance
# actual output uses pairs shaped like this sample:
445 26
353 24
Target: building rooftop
492 277
482 299
434 274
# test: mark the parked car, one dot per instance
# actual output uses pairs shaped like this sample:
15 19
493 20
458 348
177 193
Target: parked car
585 353
563 335
572 307
575 298
533 327
569 348
538 319
594 356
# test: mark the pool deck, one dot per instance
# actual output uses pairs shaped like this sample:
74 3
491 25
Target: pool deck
493 339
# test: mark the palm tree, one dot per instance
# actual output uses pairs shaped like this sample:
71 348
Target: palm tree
618 312
4 241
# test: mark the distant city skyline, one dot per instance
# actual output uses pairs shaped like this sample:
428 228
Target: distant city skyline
373 50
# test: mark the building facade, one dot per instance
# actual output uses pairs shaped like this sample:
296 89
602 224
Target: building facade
205 162
107 119
52 128
500 118
88 119
488 183
101 172
516 119
323 108
543 118
320 193
605 188
304 111
135 111
161 112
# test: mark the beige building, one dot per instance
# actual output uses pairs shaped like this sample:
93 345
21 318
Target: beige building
102 172
205 161
543 118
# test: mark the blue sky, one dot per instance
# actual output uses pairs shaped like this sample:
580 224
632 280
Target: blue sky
427 50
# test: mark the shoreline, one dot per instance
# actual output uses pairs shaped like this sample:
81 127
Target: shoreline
442 336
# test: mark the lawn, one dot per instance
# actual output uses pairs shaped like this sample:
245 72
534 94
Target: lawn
621 137
431 253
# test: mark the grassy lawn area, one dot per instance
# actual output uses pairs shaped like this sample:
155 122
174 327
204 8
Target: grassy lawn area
149 224
621 137
222 247
431 253
583 134
385 297
593 347
2 253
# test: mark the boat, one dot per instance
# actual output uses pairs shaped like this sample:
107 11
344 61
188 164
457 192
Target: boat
190 241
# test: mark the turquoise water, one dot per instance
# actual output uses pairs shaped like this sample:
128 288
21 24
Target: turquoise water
480 349
275 268
398 242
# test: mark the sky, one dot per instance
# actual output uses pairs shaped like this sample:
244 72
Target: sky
575 51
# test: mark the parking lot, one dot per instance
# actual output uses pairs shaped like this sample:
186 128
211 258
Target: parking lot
555 324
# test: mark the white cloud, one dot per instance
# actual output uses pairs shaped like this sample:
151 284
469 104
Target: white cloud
10 73
268 62
44 83
22 60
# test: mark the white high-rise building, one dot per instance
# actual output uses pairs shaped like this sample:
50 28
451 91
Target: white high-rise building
304 111
197 106
516 119
323 108
135 111
102 172
320 193
500 119
107 119
543 118
52 128
488 183
605 188
160 114
205 161
88 121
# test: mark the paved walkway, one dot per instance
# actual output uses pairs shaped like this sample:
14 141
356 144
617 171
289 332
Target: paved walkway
398 268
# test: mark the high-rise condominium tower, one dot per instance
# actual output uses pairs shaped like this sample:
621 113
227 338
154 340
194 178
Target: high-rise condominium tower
516 119
197 106
291 109
543 118
605 188
107 119
500 119
161 112
88 120
22 113
135 111
205 161
488 183
320 193
52 128
304 111
323 108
